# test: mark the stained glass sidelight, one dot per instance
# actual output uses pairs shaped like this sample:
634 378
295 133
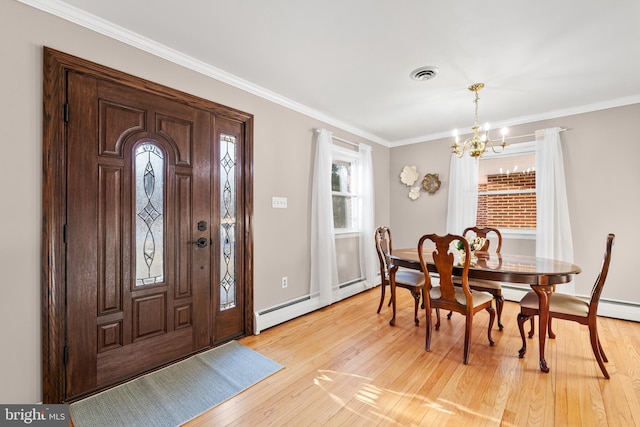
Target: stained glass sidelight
227 222
149 199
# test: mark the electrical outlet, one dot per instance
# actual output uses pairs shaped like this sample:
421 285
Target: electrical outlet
285 282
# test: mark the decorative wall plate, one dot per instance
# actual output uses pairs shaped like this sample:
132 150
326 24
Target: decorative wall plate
431 183
409 175
414 193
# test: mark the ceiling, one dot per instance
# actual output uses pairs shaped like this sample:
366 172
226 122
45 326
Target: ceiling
348 62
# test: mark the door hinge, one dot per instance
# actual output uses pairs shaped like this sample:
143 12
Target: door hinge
65 355
64 234
66 113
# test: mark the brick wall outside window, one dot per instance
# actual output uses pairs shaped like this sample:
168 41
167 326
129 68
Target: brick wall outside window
507 210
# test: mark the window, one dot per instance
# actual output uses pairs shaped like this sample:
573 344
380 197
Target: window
507 190
343 260
343 191
346 221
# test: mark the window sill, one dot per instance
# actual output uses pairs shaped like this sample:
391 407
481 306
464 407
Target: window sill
518 233
344 232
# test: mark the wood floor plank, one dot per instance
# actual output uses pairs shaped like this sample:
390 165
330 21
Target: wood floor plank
345 366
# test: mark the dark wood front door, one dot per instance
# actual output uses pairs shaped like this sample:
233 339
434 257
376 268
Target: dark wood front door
155 260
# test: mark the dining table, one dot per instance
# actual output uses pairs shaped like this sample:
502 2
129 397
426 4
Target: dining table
541 274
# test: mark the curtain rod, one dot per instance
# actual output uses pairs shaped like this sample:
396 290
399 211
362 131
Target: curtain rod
529 135
339 139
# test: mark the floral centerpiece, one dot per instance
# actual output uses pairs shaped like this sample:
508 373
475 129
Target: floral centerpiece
475 244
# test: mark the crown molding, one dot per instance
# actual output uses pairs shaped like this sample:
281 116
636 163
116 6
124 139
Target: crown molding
588 108
111 30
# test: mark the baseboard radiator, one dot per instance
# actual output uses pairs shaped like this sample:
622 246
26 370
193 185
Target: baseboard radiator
607 307
281 313
272 316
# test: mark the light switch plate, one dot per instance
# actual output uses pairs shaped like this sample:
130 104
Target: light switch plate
279 202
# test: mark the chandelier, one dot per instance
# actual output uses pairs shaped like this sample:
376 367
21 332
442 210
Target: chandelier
477 144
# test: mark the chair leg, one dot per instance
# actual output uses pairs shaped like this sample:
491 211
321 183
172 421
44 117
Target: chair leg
595 346
549 331
531 330
437 319
604 356
383 286
416 298
499 305
467 337
427 344
449 315
521 319
492 317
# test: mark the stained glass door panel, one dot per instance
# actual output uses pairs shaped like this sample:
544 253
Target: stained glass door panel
229 278
227 222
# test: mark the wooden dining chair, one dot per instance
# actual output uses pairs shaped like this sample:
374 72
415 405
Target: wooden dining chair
491 286
407 279
569 307
461 299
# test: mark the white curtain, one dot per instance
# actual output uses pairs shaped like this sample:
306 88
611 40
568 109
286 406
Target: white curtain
553 234
463 194
324 272
368 257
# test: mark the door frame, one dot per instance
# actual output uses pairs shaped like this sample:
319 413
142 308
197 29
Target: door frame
56 64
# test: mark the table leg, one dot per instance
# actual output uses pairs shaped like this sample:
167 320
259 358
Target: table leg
544 296
392 285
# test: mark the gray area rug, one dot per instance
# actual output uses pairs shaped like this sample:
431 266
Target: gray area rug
175 394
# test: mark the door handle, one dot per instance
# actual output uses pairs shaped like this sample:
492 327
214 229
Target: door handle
201 242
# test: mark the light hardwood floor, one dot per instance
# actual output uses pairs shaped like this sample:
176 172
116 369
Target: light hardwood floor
344 365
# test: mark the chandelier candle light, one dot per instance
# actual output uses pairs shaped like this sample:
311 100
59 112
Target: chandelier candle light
477 145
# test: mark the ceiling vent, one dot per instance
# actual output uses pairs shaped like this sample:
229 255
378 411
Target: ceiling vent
424 73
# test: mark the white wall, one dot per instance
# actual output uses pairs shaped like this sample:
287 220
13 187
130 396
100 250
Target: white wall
283 152
600 156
